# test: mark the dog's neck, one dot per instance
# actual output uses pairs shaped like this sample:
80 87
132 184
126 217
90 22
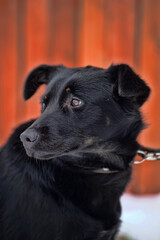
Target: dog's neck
98 191
111 158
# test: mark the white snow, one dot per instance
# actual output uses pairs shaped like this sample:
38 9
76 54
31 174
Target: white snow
140 217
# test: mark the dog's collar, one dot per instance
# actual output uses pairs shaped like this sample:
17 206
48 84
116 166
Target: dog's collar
104 171
89 170
144 153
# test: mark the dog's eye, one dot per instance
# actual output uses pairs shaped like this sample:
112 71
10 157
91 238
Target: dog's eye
75 102
44 102
43 107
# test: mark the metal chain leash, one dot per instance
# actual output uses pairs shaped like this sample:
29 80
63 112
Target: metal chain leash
148 154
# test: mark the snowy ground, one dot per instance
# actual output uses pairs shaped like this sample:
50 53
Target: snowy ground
140 218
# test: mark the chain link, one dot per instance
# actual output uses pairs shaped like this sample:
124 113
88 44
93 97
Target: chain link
147 156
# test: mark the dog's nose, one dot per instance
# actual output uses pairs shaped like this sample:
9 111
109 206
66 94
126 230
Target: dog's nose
29 136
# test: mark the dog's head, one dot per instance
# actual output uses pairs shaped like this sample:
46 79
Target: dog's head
83 109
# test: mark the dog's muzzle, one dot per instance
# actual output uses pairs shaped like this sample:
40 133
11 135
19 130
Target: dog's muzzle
29 138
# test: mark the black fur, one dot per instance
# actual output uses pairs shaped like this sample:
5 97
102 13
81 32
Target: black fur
52 192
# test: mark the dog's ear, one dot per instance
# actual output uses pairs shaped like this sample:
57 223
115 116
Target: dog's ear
39 75
127 84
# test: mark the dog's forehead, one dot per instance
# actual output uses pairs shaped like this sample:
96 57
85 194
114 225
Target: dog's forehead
85 77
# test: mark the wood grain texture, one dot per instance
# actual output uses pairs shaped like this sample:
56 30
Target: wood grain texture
81 32
8 67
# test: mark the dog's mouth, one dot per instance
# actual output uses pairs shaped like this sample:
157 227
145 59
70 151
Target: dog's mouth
39 155
44 155
74 151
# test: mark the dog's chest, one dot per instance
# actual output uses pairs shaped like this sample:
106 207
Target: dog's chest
38 215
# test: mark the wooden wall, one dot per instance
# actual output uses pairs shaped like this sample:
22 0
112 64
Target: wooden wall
81 32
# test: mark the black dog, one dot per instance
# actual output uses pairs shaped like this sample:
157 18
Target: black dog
79 155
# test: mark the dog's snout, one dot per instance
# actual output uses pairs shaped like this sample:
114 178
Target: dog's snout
29 136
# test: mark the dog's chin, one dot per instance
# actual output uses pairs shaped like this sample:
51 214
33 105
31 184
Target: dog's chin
40 155
45 156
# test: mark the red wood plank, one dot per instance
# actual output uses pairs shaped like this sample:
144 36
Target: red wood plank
108 32
146 176
21 59
123 31
61 31
8 67
150 66
90 50
37 45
